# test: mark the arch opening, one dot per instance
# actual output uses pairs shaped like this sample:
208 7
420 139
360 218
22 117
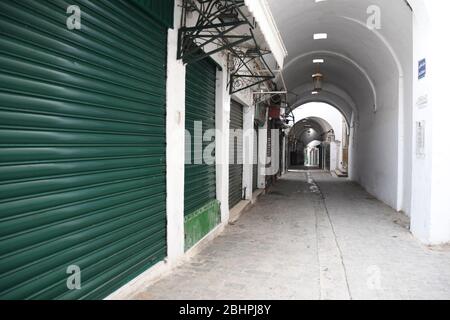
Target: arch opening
319 138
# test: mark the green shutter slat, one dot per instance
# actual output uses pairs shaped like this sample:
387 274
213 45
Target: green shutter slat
162 10
200 179
236 157
82 147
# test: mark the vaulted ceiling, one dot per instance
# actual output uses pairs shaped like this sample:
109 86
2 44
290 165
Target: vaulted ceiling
318 127
358 60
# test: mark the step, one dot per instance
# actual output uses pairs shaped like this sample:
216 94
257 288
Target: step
341 174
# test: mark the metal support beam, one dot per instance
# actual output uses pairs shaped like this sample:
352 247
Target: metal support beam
220 25
216 20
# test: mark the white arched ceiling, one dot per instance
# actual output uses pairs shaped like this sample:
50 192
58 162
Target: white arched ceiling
320 125
334 61
352 51
306 136
325 125
370 52
330 94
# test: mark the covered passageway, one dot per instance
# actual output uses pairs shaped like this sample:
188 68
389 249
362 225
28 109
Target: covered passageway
224 149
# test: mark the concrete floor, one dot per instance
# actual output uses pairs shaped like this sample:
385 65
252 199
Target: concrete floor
312 237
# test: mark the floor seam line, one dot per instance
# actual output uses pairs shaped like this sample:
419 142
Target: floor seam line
322 197
317 245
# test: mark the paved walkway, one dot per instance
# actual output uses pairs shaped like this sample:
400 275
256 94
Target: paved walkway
312 237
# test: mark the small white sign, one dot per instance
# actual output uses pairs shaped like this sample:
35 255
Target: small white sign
420 139
422 102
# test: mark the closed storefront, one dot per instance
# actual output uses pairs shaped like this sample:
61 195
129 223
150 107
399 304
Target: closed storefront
200 205
236 154
82 127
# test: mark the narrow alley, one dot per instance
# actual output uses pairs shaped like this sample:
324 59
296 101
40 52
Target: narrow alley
312 237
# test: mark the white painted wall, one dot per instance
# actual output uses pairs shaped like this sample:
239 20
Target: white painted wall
430 218
334 155
175 125
222 143
284 155
249 135
376 148
262 155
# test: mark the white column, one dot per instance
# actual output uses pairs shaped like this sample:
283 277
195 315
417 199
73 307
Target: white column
351 146
176 73
223 101
249 136
430 209
275 157
262 155
334 151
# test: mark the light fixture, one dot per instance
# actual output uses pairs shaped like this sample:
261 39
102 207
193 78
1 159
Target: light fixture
229 16
320 36
317 80
315 61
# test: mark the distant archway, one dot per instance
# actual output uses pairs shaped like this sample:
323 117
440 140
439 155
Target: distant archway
322 123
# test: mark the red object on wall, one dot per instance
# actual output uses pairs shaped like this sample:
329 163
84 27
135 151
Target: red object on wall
274 112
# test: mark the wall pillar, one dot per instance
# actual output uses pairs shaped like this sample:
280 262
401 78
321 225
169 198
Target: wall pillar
275 154
430 208
262 154
351 148
223 101
249 136
175 125
334 155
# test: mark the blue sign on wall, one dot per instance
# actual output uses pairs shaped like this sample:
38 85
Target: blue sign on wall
422 68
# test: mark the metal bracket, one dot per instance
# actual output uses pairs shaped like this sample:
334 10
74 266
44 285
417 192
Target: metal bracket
216 26
248 67
221 25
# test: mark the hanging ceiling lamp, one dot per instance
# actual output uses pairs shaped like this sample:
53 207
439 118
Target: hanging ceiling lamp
317 80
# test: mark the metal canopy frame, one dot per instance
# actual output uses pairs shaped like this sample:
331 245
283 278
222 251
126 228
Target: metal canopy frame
242 74
216 20
215 30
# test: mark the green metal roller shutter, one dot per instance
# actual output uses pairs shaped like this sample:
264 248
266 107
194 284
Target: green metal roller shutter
200 178
236 154
161 10
82 138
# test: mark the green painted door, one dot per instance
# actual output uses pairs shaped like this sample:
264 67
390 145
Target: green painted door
236 154
200 173
82 138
